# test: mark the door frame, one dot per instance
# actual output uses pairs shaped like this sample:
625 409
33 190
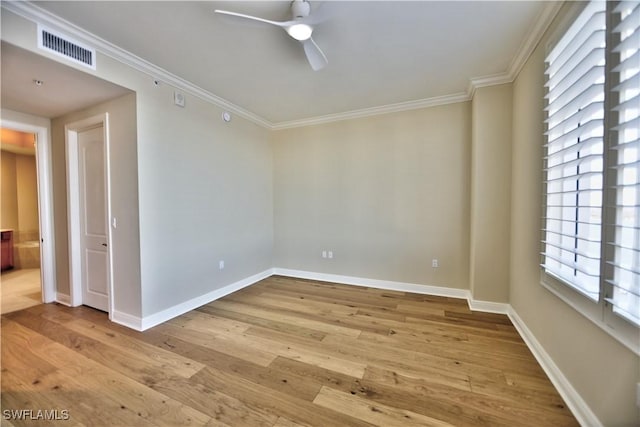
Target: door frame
73 205
44 182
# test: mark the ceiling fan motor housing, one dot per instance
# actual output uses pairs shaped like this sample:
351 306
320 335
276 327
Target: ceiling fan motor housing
300 8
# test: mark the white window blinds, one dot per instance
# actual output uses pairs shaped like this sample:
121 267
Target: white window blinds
575 77
624 232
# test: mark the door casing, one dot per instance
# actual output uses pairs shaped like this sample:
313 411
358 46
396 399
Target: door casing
73 206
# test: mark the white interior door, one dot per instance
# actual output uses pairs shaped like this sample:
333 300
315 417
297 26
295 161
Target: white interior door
93 218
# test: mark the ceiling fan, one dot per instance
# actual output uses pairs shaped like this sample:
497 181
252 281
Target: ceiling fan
299 27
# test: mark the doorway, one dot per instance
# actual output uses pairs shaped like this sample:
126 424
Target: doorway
27 278
89 212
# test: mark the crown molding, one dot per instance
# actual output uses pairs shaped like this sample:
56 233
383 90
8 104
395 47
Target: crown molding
41 16
536 32
490 80
374 111
526 48
36 14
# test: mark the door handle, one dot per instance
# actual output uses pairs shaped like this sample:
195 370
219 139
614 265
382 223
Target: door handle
104 244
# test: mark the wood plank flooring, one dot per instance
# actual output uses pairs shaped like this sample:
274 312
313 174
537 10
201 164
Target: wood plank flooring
283 352
19 289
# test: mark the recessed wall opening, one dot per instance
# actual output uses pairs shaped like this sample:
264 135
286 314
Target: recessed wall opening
20 224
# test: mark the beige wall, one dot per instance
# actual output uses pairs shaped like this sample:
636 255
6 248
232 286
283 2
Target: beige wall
17 139
206 195
9 192
199 191
20 196
490 193
27 182
386 194
124 199
603 371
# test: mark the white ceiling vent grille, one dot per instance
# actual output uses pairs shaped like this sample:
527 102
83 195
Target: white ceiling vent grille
62 45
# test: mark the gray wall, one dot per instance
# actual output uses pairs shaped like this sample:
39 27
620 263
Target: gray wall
206 195
386 194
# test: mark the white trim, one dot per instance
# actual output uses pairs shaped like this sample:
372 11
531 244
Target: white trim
374 111
73 222
124 319
63 299
179 309
41 16
109 213
31 124
491 80
73 206
475 305
488 306
572 398
529 44
375 283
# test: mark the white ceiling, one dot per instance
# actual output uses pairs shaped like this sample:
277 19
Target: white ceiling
62 91
380 52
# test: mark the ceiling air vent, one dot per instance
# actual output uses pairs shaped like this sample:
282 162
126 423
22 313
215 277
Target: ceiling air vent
63 46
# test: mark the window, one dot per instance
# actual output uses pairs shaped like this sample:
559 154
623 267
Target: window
591 225
624 279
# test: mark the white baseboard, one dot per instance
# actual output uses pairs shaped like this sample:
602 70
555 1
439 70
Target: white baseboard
574 401
179 309
375 283
124 319
488 306
63 299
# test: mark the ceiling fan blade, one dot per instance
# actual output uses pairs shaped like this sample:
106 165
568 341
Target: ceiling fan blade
254 18
316 57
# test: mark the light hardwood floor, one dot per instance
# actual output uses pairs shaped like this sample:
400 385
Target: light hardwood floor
282 352
20 289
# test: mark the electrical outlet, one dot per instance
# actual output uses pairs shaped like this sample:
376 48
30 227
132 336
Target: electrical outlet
324 254
434 263
330 254
221 265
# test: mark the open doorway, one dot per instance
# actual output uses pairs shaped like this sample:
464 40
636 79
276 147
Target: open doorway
20 223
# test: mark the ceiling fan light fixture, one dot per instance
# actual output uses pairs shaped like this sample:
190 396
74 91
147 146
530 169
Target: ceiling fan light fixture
300 32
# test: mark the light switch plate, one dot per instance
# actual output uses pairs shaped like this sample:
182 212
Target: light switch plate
178 99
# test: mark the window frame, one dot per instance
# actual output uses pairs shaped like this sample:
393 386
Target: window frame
601 312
